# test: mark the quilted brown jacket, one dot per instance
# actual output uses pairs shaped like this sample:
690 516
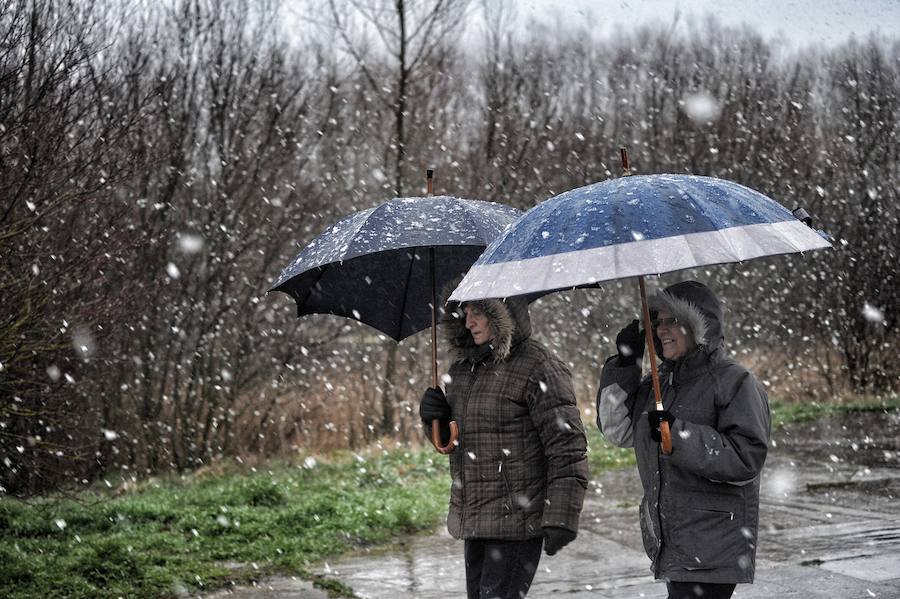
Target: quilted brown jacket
521 460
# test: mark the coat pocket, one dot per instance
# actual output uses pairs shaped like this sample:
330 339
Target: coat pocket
457 483
707 532
509 503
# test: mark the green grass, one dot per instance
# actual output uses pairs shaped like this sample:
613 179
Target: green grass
176 536
786 413
603 455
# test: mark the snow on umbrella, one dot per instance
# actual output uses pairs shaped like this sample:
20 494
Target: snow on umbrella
383 266
631 227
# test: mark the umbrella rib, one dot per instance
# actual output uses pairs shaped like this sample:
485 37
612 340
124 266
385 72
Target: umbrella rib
412 262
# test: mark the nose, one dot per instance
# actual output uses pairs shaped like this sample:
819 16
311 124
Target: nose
470 322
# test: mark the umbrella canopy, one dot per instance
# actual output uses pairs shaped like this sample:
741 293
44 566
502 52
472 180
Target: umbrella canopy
631 227
634 226
375 265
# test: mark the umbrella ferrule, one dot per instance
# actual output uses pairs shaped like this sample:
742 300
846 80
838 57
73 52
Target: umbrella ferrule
803 216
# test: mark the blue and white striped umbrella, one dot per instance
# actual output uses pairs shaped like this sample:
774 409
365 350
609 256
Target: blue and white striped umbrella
633 226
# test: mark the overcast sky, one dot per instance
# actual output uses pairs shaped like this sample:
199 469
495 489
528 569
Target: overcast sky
801 22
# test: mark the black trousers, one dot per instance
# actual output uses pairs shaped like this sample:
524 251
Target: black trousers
695 590
498 569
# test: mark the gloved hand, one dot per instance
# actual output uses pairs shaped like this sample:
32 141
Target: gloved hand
657 417
434 406
630 343
555 538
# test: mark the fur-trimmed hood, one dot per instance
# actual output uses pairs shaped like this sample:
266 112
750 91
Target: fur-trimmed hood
508 318
694 305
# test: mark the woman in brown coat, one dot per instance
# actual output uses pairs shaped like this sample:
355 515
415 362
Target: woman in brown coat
520 469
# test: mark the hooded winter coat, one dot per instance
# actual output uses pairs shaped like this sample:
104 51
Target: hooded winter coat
521 461
700 511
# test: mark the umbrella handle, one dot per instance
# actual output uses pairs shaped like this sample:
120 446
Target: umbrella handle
436 436
664 431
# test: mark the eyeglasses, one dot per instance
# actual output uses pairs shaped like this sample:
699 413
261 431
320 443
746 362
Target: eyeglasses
663 322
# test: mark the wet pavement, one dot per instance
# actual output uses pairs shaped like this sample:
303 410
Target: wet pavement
829 528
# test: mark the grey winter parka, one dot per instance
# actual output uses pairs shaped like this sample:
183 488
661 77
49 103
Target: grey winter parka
521 461
700 510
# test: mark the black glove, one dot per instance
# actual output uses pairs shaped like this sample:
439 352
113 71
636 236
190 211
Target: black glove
555 538
630 343
434 406
657 417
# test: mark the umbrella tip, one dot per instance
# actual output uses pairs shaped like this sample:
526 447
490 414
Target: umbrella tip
429 181
626 170
802 215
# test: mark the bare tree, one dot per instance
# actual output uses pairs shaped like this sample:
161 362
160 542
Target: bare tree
238 117
69 112
400 51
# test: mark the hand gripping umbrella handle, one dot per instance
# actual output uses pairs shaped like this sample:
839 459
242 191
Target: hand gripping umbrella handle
436 436
664 431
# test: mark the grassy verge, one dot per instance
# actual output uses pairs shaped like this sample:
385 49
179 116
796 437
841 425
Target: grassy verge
175 536
786 413
603 455
172 537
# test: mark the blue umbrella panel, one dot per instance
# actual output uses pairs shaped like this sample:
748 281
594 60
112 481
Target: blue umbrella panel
634 226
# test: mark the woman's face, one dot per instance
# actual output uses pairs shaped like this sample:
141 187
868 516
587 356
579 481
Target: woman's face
676 339
478 325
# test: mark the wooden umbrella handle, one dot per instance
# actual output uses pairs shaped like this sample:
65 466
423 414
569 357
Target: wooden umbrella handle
436 424
664 431
436 436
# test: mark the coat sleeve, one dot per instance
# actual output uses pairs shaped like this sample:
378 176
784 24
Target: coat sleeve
615 400
551 403
735 450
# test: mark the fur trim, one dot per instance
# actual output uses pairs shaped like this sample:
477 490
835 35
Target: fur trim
685 311
460 344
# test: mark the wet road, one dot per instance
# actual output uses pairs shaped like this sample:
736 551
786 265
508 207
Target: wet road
829 527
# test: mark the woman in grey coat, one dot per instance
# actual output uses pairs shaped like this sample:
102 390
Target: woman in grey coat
700 510
520 469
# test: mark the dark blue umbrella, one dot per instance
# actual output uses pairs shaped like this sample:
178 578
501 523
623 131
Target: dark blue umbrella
375 265
634 226
383 266
631 227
